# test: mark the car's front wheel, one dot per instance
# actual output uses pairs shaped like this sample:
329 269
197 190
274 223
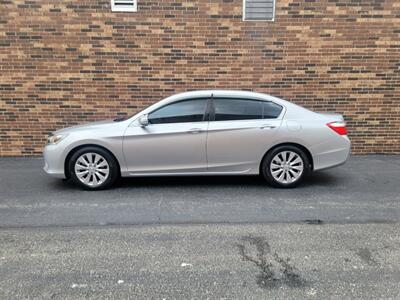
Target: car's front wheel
93 168
285 166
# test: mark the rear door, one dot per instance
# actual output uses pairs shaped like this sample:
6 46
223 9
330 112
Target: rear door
239 133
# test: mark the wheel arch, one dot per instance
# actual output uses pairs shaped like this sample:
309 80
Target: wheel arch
303 148
73 150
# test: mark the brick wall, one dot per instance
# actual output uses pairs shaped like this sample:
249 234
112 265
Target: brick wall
69 62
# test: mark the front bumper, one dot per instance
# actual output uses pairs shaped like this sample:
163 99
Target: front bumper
53 161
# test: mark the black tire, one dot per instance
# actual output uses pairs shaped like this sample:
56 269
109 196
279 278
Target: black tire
112 164
266 164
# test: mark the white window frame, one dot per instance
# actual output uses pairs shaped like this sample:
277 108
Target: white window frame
123 8
247 20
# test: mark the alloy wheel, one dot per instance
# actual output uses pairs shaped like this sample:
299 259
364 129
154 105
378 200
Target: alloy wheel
92 169
286 167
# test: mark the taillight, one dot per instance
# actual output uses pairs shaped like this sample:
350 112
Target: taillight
338 127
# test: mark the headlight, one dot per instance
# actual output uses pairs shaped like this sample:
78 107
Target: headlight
54 139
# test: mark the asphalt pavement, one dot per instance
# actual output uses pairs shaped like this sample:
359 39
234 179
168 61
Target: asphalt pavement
335 236
366 189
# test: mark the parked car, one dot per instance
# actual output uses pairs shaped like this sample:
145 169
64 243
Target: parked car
202 133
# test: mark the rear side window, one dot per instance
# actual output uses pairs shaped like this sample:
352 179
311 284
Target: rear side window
271 110
244 109
179 112
237 109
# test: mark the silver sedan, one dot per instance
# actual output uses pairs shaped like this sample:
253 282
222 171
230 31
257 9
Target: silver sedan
202 133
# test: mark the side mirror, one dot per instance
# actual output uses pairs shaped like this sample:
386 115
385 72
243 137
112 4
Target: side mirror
143 121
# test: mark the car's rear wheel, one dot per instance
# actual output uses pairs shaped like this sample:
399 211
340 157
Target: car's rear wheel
285 166
93 168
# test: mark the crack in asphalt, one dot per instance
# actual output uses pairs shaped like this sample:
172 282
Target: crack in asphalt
366 255
274 270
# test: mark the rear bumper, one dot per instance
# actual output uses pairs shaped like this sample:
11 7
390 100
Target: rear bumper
53 162
333 157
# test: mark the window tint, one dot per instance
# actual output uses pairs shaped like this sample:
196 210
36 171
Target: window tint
244 109
180 112
271 110
237 109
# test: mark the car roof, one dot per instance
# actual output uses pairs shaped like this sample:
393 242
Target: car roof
221 93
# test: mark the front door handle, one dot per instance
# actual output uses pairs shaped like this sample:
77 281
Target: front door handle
267 126
195 130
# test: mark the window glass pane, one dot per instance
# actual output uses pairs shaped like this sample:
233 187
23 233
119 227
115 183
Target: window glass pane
237 109
180 112
271 110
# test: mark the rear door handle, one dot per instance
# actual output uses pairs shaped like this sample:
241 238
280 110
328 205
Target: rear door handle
195 130
267 126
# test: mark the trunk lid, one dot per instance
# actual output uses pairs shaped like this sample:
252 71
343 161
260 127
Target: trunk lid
332 116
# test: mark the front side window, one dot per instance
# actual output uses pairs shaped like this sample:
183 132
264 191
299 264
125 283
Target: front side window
244 109
180 112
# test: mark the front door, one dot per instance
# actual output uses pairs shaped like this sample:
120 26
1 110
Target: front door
239 134
174 141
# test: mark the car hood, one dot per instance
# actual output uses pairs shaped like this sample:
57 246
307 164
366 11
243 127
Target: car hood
91 125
